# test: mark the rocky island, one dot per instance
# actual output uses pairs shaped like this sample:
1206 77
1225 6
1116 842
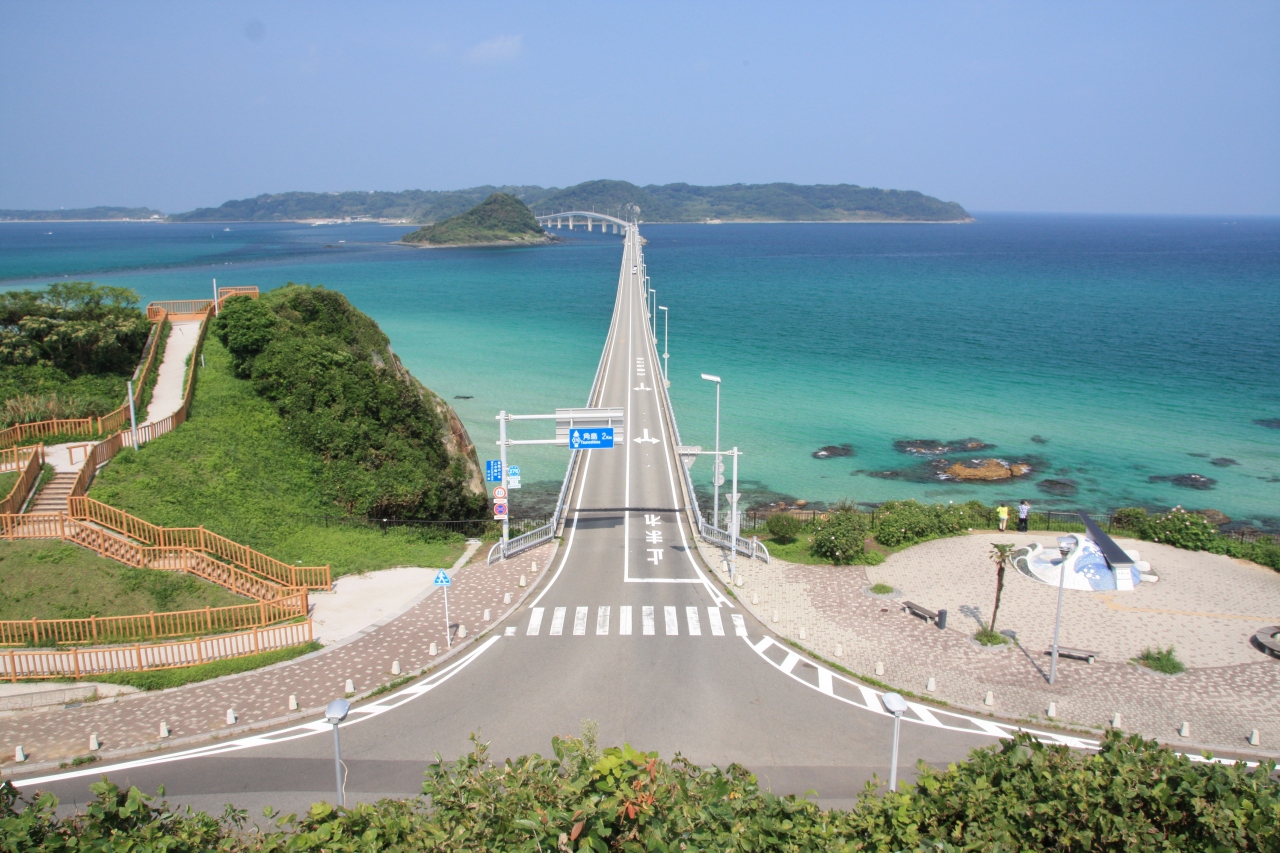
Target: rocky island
500 220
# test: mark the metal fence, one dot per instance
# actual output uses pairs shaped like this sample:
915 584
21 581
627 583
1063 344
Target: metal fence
472 528
1049 520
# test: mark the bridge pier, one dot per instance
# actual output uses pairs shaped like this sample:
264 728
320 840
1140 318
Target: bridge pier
588 224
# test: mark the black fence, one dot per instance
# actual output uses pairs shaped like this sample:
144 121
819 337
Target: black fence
477 529
1048 520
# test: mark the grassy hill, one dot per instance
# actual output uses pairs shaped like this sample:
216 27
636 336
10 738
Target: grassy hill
501 218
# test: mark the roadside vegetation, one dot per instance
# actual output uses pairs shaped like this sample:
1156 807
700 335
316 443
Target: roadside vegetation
40 579
235 468
1131 795
1161 660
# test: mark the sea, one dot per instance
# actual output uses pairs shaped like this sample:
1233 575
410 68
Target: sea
1117 355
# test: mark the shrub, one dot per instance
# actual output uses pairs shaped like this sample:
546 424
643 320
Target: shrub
988 637
901 523
881 589
1130 518
1161 660
1181 529
784 526
77 327
841 538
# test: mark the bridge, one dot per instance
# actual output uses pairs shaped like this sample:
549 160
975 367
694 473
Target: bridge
589 217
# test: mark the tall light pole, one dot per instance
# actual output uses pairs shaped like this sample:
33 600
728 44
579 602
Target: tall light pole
896 705
666 367
716 474
1064 548
335 713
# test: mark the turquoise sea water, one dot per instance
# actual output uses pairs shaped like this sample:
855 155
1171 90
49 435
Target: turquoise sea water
1129 343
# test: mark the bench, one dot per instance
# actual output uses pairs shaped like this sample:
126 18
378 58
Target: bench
1078 654
916 610
1268 640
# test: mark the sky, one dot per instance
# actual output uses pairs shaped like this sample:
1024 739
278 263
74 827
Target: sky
1104 107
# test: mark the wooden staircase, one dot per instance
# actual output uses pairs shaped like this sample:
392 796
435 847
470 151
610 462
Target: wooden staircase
53 497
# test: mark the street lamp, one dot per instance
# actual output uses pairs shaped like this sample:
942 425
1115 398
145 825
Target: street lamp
1064 547
653 314
335 713
666 367
716 475
896 705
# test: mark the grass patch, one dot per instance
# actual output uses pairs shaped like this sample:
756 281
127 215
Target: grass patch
881 589
234 469
163 679
797 550
7 481
987 637
1161 660
54 580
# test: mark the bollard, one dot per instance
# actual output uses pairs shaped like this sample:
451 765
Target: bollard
1185 731
802 632
164 729
395 667
1053 710
942 620
775 616
931 685
755 598
486 615
1115 720
231 716
523 582
990 698
1254 740
293 702
506 599
94 743
839 650
740 582
351 686
535 567
433 651
879 667
19 755
462 632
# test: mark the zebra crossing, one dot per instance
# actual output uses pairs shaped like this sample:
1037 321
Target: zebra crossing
621 621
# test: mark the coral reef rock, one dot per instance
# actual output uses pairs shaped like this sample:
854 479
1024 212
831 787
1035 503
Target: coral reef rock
834 451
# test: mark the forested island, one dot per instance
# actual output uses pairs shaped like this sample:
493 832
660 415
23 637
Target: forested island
500 220
92 214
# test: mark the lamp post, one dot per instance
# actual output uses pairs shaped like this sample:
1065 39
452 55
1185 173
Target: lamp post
666 367
1064 548
335 713
653 313
716 475
896 705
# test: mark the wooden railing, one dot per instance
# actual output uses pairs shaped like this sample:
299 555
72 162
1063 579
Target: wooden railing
84 508
113 421
186 309
18 433
29 461
225 293
85 663
152 626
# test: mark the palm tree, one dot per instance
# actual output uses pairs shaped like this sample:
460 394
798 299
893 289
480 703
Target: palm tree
1001 555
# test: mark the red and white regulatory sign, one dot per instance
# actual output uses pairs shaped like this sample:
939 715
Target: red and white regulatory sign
499 493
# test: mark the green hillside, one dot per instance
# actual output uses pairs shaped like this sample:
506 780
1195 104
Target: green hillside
81 213
501 218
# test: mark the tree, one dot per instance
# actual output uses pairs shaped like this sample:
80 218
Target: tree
1002 556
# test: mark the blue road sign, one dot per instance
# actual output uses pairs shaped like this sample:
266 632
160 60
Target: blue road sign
513 471
493 470
441 579
595 438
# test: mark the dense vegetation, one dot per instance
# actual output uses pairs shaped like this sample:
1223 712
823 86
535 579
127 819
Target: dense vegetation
163 679
54 580
1131 796
501 218
657 203
1190 530
67 350
234 468
81 213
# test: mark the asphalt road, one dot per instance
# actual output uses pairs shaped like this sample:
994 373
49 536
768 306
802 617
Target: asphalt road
694 674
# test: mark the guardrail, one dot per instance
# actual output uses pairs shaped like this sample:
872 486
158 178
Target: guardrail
752 548
85 663
29 461
523 542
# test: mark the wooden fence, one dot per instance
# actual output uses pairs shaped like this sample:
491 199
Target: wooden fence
152 626
84 508
28 461
113 421
197 309
86 663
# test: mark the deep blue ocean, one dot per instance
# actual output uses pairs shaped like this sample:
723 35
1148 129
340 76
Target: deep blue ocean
1133 347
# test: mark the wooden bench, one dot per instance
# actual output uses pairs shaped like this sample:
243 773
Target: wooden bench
1078 654
916 610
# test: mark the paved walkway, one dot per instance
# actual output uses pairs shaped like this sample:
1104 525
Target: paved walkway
197 712
1206 606
167 396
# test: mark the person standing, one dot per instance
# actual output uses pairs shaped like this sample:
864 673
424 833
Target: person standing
1002 515
1024 511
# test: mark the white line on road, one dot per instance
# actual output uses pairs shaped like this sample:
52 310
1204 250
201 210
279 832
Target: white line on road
602 621
790 663
646 620
739 625
580 621
691 616
672 625
557 622
713 617
535 621
624 620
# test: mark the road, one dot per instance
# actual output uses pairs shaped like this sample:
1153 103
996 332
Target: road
628 630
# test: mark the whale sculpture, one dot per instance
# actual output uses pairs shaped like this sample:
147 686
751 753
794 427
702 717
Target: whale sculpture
1084 565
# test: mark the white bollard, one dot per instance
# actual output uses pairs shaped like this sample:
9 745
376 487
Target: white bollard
740 582
231 716
164 729
395 667
1185 731
990 698
506 599
351 686
433 651
486 615
839 650
293 702
755 598
775 616
19 755
94 743
1053 710
931 685
802 632
879 667
523 582
1254 740
1115 720
462 631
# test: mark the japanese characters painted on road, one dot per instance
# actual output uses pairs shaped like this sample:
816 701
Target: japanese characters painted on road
442 579
499 494
493 470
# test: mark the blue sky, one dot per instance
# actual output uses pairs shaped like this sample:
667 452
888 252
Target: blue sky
1109 107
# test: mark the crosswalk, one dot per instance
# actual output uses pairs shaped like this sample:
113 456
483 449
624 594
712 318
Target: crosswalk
621 621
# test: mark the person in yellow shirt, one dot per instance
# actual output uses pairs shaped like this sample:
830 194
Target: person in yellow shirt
1002 513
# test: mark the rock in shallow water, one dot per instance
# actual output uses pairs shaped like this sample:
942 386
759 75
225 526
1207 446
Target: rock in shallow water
1186 481
1269 423
1061 488
987 469
1223 462
1039 439
933 447
834 451
1216 518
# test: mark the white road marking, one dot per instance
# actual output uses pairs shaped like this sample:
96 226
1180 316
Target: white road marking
624 620
580 621
924 713
713 618
646 620
672 625
602 621
535 621
691 616
510 632
739 625
824 682
790 663
557 622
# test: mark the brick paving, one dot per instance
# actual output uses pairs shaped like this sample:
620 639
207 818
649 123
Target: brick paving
260 698
1206 606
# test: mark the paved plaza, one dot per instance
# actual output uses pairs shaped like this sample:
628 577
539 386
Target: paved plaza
1205 606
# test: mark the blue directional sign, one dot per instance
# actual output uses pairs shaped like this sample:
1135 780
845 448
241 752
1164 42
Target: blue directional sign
513 471
441 579
493 470
595 438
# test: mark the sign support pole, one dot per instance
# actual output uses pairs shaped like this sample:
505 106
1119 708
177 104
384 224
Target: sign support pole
133 415
502 454
448 633
734 522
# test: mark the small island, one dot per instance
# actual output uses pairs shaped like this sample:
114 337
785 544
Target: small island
500 220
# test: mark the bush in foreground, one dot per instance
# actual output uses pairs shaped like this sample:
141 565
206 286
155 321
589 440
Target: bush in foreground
1132 796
